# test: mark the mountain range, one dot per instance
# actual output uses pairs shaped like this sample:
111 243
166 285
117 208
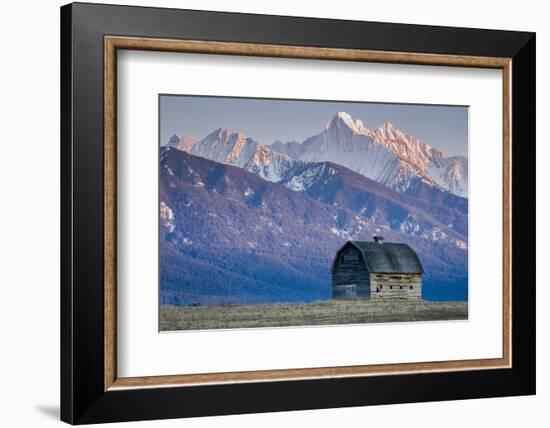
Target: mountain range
385 154
244 222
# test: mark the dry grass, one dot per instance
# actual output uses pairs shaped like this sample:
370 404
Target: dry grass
319 313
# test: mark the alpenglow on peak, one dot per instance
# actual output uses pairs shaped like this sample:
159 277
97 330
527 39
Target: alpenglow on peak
344 119
384 154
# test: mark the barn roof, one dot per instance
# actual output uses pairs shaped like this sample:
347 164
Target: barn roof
388 257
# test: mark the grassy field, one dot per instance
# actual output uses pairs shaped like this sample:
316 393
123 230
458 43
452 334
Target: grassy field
319 313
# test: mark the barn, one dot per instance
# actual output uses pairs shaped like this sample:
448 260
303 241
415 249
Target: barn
376 270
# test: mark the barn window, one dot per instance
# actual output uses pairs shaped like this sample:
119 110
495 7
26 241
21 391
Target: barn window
378 276
401 287
391 287
396 277
381 287
411 287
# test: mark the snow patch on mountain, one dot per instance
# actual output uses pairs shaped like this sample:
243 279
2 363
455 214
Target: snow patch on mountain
308 176
463 245
342 233
167 217
410 225
450 173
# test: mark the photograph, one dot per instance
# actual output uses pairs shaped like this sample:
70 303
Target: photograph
293 212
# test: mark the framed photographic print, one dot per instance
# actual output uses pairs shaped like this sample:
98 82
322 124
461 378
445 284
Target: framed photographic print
265 213
284 231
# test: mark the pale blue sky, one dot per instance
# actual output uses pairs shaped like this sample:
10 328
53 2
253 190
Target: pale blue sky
267 120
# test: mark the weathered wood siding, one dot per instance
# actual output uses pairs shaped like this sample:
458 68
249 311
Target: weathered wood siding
350 278
396 286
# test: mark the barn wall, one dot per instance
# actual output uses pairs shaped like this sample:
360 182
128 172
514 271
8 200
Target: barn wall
396 286
349 269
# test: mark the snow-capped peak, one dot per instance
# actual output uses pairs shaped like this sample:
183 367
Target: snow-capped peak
388 131
387 126
225 135
384 154
183 142
343 119
237 149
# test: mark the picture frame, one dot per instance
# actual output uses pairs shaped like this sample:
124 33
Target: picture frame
91 390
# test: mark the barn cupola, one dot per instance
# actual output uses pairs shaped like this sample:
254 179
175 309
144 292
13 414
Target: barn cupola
378 239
